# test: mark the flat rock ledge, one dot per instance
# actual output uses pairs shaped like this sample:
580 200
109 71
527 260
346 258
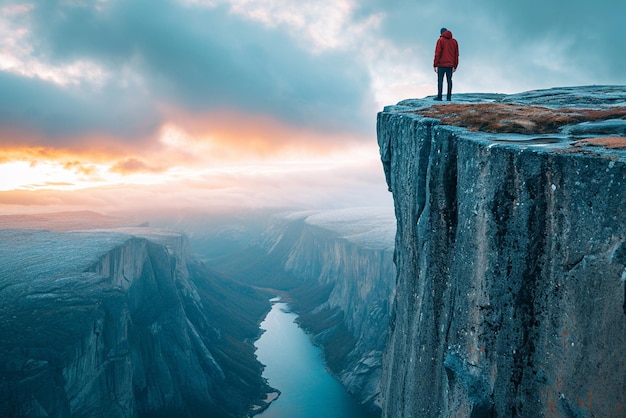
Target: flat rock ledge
561 117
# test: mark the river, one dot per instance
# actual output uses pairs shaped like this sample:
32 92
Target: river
296 367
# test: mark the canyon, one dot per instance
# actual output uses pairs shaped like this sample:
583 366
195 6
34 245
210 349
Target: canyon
336 269
130 321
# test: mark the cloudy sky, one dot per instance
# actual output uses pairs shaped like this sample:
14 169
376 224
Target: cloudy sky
113 104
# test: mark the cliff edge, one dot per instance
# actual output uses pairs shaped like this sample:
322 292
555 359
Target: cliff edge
510 255
122 323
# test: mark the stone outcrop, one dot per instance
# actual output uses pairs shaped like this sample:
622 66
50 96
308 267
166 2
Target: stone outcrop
121 323
510 254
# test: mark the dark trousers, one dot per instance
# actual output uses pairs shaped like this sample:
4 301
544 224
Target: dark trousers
440 72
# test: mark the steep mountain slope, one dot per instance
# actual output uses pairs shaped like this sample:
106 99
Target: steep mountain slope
122 323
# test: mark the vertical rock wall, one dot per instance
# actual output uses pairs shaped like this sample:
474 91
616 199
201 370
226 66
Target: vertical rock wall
341 277
121 324
360 283
510 257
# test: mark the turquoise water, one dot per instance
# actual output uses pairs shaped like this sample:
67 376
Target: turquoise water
296 367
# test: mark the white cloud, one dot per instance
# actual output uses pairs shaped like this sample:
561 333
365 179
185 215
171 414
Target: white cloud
17 54
322 25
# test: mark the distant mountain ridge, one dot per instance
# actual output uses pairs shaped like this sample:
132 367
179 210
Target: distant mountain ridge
64 221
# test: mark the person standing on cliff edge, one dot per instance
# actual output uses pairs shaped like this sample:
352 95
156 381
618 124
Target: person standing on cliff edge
446 61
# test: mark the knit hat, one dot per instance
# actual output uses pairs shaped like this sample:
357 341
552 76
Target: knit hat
443 30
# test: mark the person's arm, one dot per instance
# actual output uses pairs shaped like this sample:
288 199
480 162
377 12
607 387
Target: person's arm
456 55
437 55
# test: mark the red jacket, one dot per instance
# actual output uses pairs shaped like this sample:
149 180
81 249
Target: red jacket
446 51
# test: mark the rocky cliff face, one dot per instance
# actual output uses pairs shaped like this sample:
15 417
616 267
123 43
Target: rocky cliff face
337 267
118 323
510 255
350 253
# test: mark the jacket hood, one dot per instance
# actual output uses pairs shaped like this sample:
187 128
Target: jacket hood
447 34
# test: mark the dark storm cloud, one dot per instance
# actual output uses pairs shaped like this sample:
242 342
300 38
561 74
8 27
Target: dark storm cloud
64 114
193 58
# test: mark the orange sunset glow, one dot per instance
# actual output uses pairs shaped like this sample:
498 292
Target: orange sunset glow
212 155
111 105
